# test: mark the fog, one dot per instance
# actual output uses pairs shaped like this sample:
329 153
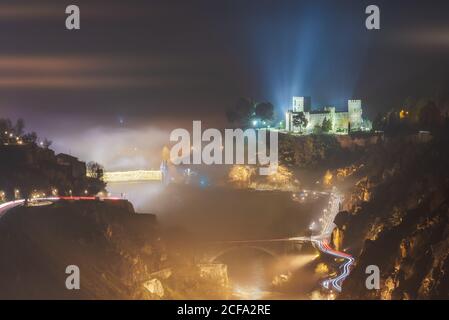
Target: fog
223 213
194 217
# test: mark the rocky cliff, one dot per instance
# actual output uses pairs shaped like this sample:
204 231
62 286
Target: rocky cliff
114 248
396 218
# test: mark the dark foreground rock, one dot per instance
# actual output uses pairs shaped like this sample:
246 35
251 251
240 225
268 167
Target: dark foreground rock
115 249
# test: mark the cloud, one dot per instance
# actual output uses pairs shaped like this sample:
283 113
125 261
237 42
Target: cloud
116 149
61 63
87 72
429 37
28 11
78 82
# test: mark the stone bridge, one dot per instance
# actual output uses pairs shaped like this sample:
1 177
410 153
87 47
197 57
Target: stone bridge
132 176
211 252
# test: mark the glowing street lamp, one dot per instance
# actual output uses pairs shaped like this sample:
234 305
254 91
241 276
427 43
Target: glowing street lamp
254 123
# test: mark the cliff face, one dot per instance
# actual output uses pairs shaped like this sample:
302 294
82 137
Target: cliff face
115 249
397 219
329 151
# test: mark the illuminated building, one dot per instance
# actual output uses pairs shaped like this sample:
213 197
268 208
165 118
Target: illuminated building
341 122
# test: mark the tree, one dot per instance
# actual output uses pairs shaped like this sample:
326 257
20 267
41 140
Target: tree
300 120
282 177
5 126
240 114
95 170
393 122
241 175
264 111
30 137
379 122
430 116
47 143
326 126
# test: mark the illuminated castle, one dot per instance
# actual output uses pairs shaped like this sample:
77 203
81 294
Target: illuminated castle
338 122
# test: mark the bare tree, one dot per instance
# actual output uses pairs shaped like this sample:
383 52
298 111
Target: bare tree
46 143
95 170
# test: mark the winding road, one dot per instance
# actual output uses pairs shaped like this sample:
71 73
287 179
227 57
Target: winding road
4 207
321 241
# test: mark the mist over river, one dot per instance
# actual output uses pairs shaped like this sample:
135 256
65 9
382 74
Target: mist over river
212 213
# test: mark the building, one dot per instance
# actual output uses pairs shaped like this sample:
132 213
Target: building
341 122
77 168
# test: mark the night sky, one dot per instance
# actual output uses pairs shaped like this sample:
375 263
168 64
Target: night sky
140 66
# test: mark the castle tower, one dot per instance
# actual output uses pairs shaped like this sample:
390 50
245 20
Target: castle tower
301 104
298 104
355 114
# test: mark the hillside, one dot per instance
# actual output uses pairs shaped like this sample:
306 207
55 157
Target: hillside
115 249
397 218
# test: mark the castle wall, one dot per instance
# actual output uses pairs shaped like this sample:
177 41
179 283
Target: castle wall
317 119
341 122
